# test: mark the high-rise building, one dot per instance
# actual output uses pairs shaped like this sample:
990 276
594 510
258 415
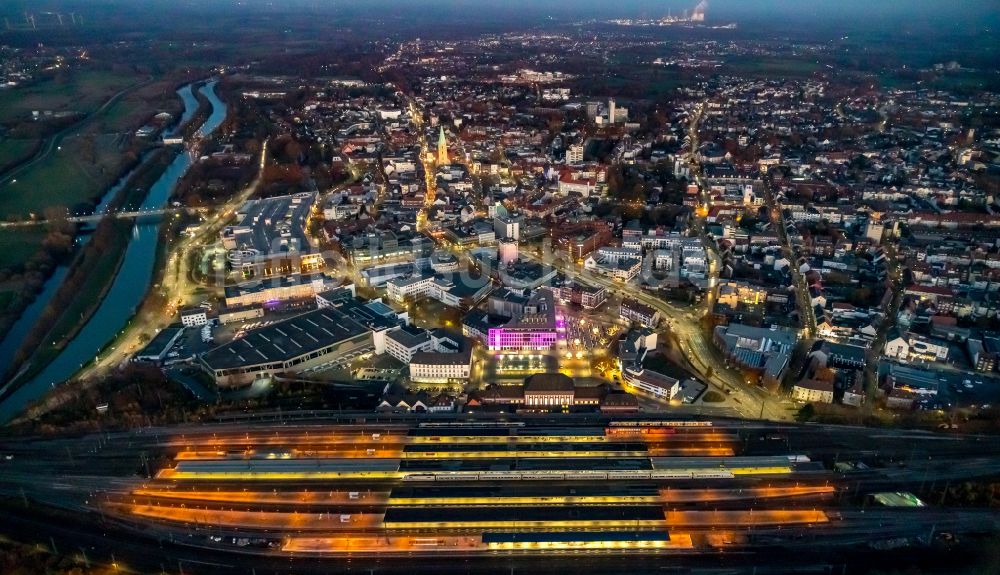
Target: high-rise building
506 225
507 251
574 154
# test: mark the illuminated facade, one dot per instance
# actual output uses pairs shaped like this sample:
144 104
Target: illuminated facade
442 149
514 339
275 289
535 329
651 382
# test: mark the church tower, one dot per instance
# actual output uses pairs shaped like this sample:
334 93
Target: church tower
442 149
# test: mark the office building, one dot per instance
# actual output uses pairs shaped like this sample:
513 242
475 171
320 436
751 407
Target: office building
194 317
275 289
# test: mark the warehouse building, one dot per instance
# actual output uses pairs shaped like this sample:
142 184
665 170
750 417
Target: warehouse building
308 341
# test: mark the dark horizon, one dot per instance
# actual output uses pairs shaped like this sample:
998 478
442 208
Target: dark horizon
980 12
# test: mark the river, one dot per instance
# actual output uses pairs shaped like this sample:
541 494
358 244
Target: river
11 341
130 284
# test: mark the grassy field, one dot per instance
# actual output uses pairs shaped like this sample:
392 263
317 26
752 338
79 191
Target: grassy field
77 91
15 151
773 67
138 107
85 301
123 115
18 245
6 297
88 159
81 170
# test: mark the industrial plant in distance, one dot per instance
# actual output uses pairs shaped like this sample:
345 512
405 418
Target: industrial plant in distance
448 286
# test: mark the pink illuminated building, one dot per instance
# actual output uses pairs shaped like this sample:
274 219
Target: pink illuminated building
534 330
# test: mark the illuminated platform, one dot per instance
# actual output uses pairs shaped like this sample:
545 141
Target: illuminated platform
518 488
608 541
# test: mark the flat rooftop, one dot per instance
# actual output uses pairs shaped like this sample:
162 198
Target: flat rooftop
286 465
574 536
525 447
473 514
522 489
286 340
528 464
160 342
273 225
257 286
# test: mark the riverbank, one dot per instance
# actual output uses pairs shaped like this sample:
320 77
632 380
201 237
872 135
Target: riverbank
131 285
25 291
90 275
200 115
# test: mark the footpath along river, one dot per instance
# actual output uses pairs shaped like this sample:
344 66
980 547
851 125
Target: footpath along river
130 284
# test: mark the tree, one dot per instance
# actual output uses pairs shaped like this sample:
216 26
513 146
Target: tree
806 413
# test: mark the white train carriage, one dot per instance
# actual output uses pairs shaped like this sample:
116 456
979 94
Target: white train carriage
585 475
499 475
542 476
670 475
628 475
419 477
711 474
456 476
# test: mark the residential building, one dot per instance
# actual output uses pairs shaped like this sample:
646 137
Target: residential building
194 317
634 310
623 269
813 391
574 154
586 296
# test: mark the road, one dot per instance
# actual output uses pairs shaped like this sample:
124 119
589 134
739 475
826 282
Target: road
769 406
807 315
703 356
177 284
54 140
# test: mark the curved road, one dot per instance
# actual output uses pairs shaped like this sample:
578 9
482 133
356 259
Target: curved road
57 138
176 283
751 401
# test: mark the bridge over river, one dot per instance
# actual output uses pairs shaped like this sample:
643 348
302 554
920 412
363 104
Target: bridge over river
94 218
